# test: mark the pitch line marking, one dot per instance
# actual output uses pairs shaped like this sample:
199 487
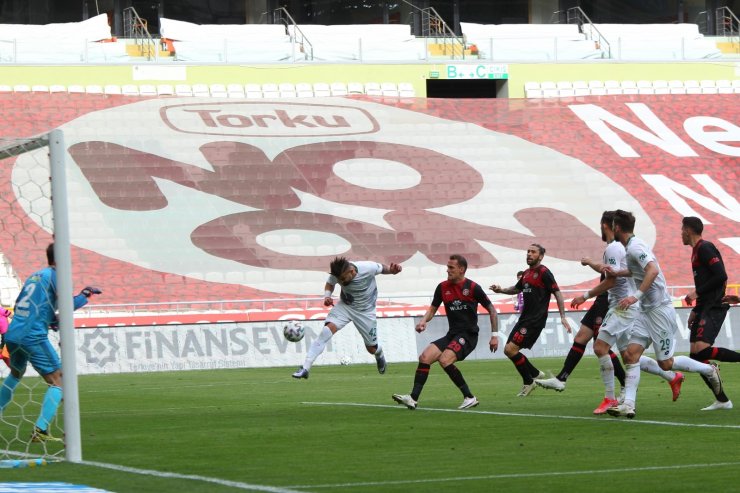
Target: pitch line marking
527 415
192 477
516 476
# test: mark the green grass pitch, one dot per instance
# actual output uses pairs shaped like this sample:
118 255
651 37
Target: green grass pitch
339 431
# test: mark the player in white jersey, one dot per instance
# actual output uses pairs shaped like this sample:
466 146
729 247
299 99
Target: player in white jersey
357 301
617 324
656 322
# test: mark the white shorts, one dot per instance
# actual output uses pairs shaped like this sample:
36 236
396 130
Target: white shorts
657 326
616 328
341 314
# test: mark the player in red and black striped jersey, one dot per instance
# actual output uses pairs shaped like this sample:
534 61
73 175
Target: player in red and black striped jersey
461 298
707 316
537 284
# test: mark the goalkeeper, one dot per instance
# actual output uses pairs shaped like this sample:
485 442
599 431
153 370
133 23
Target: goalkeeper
27 340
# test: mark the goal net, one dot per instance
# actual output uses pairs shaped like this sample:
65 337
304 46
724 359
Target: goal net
26 403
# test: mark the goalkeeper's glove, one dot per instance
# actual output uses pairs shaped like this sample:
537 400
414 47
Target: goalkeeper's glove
89 291
54 325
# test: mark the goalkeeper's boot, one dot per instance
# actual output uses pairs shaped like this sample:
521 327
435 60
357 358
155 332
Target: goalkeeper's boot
301 373
41 436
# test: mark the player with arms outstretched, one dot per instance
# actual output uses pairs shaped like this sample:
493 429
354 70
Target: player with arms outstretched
357 302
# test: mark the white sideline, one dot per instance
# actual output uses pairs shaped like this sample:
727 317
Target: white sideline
193 477
528 415
517 476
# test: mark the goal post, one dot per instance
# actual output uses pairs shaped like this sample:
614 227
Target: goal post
34 161
65 306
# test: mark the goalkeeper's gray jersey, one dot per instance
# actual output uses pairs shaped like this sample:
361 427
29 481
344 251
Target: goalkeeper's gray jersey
616 258
362 292
639 256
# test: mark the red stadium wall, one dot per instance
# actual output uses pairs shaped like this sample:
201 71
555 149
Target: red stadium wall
480 177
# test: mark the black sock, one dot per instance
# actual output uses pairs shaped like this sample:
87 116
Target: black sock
456 376
618 368
420 378
718 354
721 396
522 364
533 372
574 356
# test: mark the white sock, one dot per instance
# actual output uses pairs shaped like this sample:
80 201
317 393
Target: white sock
631 381
378 352
317 347
687 364
606 367
649 365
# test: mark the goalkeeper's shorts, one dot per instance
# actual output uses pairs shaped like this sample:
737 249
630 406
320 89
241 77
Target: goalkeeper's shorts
42 356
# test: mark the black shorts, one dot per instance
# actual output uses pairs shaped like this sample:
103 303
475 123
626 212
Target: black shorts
460 343
707 323
595 315
524 334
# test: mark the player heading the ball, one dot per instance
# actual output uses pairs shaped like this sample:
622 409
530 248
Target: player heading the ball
357 303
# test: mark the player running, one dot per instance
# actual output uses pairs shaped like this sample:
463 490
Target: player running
461 298
590 324
537 284
707 316
656 322
617 324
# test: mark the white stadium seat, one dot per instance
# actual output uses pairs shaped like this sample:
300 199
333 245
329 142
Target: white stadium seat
253 91
218 91
147 90
130 90
235 91
321 89
183 90
201 91
338 89
304 90
406 90
112 89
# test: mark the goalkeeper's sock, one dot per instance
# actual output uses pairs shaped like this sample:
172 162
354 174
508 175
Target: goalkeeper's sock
6 390
378 353
49 407
317 347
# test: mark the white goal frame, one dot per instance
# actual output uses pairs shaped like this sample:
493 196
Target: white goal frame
63 260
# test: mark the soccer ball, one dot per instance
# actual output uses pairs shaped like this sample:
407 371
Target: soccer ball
294 330
345 360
